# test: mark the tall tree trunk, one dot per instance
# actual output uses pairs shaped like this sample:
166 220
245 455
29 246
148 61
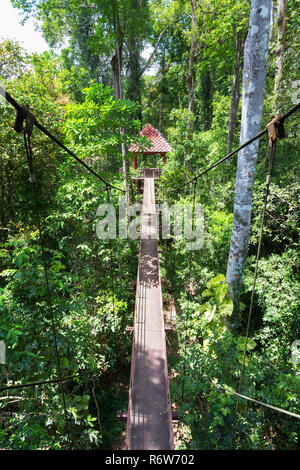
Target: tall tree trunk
281 43
272 22
134 79
191 72
206 93
235 92
2 208
154 51
116 64
254 78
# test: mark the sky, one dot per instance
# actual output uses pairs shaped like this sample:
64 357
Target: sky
10 28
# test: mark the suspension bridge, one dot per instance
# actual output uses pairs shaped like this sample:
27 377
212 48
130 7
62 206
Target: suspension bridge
149 417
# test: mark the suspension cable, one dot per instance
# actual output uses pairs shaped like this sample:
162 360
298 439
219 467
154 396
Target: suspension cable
36 384
258 402
111 263
279 120
272 145
22 112
28 147
189 296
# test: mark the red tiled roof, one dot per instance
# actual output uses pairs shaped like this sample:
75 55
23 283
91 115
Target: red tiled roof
157 144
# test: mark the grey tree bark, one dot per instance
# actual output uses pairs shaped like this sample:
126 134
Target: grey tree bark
235 92
190 79
281 43
153 52
116 64
254 77
272 21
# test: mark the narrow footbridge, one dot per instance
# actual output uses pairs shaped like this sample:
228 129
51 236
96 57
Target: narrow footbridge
149 418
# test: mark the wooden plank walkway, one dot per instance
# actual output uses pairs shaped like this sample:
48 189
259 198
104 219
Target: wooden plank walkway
149 418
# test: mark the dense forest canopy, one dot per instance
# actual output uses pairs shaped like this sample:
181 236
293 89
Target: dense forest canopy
95 90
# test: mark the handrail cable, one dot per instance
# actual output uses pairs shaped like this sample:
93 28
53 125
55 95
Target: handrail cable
275 130
189 295
271 128
23 112
111 263
36 384
258 402
280 121
27 133
30 120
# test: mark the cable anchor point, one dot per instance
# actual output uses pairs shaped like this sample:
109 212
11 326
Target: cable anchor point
23 114
276 129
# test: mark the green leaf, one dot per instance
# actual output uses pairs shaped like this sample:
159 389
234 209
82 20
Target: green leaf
209 314
225 411
220 292
226 307
8 272
215 281
240 359
250 343
230 389
188 419
203 308
206 293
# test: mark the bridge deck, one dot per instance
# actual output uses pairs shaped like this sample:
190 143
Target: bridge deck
149 421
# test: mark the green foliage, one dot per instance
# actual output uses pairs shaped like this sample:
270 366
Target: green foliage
210 354
89 33
94 126
13 59
88 279
91 280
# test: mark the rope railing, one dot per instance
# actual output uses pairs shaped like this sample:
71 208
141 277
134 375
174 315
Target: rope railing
23 113
272 147
279 120
37 384
258 402
275 129
30 119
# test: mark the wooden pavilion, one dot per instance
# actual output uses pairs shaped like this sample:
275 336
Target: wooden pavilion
157 144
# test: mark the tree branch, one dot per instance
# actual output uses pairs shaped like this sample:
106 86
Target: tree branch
153 52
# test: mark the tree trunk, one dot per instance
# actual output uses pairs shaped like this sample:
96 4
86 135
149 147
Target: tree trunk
272 22
134 81
235 92
281 42
254 78
191 72
116 64
206 94
154 51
